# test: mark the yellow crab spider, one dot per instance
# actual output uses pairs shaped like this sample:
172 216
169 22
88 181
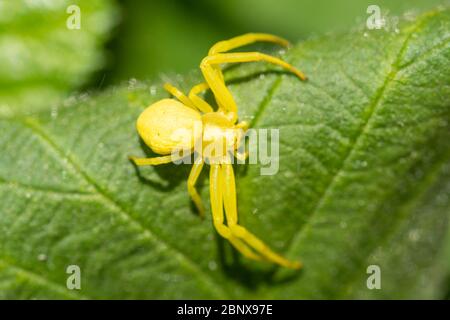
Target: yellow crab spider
198 121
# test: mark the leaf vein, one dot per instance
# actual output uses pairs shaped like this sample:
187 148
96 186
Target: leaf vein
428 181
47 190
372 109
37 278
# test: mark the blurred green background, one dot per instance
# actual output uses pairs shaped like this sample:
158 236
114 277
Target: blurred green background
172 36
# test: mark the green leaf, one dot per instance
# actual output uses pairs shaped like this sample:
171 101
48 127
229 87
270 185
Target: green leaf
364 179
41 59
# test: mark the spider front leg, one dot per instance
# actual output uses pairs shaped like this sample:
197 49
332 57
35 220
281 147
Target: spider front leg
193 101
216 83
216 194
229 198
245 39
227 45
179 95
199 102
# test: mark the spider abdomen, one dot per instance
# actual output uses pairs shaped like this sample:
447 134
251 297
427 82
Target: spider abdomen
169 125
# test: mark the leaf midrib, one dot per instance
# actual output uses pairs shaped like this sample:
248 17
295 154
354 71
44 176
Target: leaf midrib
372 110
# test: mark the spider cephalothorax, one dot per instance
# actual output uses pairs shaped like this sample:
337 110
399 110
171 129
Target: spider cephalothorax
168 126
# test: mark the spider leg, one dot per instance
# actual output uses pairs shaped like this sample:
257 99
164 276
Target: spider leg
179 95
218 217
236 42
216 83
192 180
151 161
229 195
223 96
244 40
193 94
199 102
193 100
237 57
242 125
